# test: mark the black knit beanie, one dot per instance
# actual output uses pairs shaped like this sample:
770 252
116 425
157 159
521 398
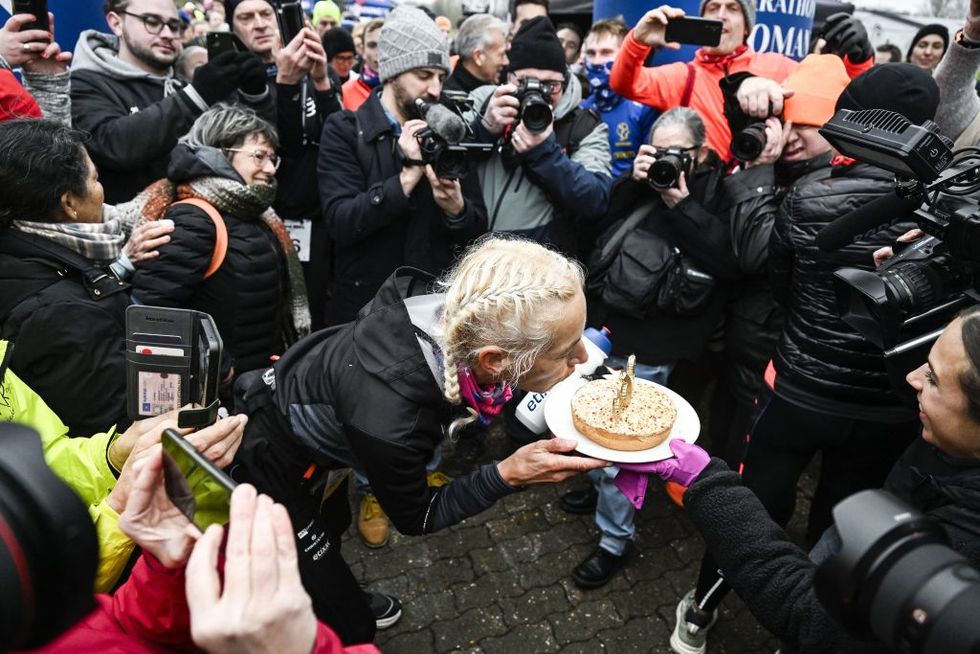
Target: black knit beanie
902 88
232 5
337 40
536 45
935 28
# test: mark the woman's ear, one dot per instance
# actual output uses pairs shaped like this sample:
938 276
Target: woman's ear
491 361
68 201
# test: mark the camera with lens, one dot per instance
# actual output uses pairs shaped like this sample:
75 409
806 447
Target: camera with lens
748 132
668 166
535 110
442 143
896 579
904 305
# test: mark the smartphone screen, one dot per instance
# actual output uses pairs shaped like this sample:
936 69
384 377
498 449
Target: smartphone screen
38 8
694 31
197 487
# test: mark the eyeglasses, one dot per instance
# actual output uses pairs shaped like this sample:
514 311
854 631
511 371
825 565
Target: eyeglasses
259 157
154 24
343 58
548 86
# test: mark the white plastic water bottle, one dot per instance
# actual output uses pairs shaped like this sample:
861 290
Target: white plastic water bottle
531 409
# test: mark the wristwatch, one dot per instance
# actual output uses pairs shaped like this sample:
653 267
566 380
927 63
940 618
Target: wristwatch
965 41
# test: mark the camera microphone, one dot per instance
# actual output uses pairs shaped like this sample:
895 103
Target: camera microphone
880 211
443 121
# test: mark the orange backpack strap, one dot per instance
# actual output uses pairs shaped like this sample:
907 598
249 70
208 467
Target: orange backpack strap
220 231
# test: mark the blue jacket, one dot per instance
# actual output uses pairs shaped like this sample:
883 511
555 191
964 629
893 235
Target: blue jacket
629 126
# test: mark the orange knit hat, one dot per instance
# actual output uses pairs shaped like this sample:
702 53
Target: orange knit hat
818 81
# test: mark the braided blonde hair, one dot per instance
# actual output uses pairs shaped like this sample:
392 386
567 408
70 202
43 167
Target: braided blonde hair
506 292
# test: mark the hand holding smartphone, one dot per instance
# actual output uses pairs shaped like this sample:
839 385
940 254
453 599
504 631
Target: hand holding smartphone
694 31
220 42
198 488
38 9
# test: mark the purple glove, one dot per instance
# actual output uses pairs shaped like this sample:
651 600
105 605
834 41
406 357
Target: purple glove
683 468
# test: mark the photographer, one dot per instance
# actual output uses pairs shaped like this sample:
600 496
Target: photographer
939 474
826 389
552 175
695 84
691 214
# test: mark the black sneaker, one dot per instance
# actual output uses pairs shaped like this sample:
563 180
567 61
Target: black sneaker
387 610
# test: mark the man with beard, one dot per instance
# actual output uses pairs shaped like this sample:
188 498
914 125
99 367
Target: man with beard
383 206
124 92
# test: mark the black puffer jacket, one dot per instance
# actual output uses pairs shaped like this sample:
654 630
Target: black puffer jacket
245 295
821 363
67 318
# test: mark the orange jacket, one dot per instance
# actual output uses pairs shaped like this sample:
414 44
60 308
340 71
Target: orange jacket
355 93
662 87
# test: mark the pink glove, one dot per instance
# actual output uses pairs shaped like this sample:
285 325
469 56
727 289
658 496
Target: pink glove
685 466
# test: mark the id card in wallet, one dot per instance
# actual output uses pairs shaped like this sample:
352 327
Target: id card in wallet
159 392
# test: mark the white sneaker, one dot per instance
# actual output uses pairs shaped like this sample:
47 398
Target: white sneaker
690 634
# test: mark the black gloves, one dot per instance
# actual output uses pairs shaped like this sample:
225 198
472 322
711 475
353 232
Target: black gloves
845 35
217 79
253 76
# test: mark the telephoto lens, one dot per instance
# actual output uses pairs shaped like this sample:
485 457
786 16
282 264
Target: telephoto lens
748 143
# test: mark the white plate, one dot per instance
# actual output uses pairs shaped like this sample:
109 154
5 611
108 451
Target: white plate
558 414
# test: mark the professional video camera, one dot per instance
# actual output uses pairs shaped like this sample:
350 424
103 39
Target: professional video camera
896 579
535 111
915 293
442 142
666 170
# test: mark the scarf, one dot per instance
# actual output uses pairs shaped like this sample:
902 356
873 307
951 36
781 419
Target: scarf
369 77
723 59
248 202
101 243
598 74
488 402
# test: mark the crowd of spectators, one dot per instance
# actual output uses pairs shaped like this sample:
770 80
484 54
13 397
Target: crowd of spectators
386 273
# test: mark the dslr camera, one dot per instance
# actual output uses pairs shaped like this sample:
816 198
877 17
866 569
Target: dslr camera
443 143
666 170
748 133
896 579
535 110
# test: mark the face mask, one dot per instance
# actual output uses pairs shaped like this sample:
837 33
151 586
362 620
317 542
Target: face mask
369 77
598 75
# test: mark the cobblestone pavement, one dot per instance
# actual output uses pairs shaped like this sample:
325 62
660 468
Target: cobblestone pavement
499 581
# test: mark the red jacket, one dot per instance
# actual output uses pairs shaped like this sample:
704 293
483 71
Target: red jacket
662 87
148 614
355 93
15 101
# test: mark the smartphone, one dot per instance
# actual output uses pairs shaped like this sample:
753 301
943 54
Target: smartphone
200 489
694 31
219 42
291 21
39 8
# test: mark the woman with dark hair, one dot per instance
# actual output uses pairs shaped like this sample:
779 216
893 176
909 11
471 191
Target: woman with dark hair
939 474
928 46
223 176
59 301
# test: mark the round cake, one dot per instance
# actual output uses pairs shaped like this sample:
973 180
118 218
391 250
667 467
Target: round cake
645 423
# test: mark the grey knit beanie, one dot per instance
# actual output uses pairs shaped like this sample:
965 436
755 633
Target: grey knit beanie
748 10
410 39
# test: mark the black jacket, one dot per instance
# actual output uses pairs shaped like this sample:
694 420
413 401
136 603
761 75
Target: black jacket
374 228
463 80
364 394
753 318
245 295
821 363
698 226
67 318
134 118
775 577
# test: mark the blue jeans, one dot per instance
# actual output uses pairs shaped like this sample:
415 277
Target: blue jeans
362 484
614 512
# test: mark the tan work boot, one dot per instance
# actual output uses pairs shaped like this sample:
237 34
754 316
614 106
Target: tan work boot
436 479
372 523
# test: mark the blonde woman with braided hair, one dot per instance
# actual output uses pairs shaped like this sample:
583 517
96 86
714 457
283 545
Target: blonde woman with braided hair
379 395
